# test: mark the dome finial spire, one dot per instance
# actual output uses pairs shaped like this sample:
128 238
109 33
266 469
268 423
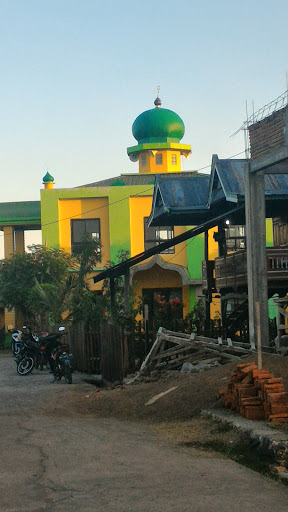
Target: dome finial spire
158 102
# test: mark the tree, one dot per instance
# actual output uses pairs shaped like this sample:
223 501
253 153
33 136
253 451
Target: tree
37 284
85 305
121 316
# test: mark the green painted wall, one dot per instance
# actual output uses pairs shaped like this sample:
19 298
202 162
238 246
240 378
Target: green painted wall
192 297
195 255
119 221
269 233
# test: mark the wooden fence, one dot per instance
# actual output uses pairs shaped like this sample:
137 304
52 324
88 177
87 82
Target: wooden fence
111 352
97 352
85 346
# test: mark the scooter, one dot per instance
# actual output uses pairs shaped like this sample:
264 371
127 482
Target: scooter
61 362
16 343
37 351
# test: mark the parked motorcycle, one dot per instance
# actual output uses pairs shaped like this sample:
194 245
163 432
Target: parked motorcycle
27 356
37 351
16 343
61 362
18 338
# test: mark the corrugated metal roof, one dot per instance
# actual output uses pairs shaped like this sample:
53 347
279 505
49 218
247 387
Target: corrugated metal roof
181 200
124 179
276 184
232 176
132 179
184 192
22 212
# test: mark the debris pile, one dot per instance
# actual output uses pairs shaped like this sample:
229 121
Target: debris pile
174 350
256 394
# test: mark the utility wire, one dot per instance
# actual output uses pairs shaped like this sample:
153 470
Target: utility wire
116 202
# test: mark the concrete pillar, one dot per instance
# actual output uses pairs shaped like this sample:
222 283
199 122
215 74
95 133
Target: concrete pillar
19 242
9 244
256 254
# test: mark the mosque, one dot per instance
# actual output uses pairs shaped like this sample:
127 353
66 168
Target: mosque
115 211
135 212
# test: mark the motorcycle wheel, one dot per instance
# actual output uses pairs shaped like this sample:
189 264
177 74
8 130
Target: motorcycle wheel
16 350
25 365
68 375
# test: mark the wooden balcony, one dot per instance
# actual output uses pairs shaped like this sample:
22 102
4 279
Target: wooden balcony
231 271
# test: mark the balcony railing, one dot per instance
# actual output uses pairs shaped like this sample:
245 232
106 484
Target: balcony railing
231 271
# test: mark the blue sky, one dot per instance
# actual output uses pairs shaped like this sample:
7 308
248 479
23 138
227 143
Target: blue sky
75 74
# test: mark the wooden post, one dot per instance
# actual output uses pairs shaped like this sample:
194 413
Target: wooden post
127 291
127 311
112 298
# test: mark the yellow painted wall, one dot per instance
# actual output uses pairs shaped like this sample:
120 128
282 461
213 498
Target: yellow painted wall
215 307
157 277
212 245
166 166
96 208
140 207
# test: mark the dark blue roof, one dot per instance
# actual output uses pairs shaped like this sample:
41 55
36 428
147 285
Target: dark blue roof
189 200
231 176
182 191
183 196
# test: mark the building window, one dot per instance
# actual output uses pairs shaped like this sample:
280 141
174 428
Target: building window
143 160
174 159
159 159
235 238
83 227
155 235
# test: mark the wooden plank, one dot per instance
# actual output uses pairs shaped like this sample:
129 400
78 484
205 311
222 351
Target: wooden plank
176 334
192 357
152 352
224 355
172 352
175 339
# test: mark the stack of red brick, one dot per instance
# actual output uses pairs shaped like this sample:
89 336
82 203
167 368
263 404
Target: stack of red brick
256 394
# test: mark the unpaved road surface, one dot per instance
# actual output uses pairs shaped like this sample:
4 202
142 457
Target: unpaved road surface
54 457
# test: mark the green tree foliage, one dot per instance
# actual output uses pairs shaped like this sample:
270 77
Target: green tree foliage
36 284
122 317
85 305
195 319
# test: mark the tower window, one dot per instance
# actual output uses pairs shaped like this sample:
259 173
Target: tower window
143 160
159 159
174 159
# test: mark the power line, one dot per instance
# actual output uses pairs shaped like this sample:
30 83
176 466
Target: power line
116 202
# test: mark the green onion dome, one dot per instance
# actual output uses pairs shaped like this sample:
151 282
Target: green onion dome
48 178
158 125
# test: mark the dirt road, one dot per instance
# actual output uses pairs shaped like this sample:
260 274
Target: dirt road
54 457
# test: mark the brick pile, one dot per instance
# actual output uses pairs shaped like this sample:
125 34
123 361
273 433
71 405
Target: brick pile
256 394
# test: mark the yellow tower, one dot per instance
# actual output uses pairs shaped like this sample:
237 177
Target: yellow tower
158 132
48 181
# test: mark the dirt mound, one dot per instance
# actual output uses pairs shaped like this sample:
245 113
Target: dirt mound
192 393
